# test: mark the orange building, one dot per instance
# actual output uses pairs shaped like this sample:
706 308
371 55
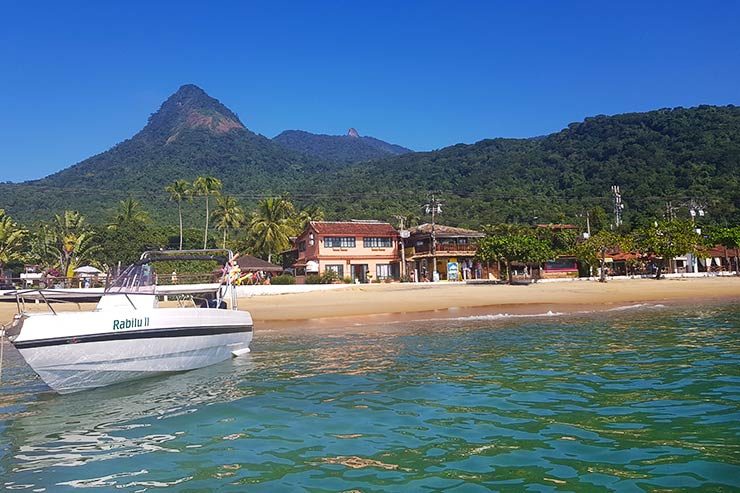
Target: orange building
364 251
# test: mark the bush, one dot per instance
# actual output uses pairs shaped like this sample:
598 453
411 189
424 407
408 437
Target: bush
282 279
313 279
329 277
347 280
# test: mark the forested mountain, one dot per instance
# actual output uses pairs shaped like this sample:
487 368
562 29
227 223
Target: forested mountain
350 148
191 134
669 155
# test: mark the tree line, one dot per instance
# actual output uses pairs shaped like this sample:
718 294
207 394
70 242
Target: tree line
661 241
69 240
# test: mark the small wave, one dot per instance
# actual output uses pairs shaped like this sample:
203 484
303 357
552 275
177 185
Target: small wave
499 316
634 307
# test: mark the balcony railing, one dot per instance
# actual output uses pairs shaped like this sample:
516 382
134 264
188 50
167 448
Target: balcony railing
445 248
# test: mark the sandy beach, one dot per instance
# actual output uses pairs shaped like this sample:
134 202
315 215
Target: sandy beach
413 301
379 302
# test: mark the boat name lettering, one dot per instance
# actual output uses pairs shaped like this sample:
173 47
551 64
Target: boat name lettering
130 323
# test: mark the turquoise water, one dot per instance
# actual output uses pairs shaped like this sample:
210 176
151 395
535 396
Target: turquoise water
633 400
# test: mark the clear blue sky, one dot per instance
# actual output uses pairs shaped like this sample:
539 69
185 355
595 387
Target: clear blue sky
78 77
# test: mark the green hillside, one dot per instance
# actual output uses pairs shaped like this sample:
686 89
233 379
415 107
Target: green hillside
655 157
343 149
192 134
670 155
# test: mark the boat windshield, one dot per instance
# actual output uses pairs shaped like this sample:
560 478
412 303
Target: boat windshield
137 278
141 278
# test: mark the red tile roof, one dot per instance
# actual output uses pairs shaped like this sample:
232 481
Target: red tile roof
624 256
354 228
719 251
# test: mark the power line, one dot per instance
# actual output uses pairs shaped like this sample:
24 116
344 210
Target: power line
261 194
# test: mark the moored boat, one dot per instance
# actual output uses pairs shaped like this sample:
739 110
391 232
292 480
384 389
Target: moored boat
131 334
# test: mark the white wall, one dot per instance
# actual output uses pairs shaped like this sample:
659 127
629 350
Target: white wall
259 290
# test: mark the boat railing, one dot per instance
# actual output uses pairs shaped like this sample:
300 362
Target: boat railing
210 294
49 296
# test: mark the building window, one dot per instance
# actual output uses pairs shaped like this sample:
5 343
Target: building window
302 246
377 242
383 271
339 242
338 268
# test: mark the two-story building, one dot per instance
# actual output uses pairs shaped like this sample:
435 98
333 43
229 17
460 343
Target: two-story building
361 250
453 250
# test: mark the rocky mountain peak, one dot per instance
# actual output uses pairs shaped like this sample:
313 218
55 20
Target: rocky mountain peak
190 108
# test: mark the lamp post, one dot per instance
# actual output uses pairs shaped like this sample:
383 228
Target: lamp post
434 207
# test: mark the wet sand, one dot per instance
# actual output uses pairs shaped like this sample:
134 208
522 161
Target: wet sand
393 302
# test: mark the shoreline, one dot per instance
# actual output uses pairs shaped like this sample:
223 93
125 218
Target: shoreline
392 303
372 304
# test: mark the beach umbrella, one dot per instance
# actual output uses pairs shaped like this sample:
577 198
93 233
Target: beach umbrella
87 271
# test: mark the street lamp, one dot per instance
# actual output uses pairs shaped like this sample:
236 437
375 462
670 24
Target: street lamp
434 207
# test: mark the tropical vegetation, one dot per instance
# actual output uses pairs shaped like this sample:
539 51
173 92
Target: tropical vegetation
511 243
594 249
12 239
179 191
205 186
668 239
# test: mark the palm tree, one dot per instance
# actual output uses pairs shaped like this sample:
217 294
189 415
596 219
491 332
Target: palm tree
72 241
179 190
129 213
11 240
206 186
227 214
271 225
306 215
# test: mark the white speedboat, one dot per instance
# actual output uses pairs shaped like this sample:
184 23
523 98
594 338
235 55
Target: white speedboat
129 334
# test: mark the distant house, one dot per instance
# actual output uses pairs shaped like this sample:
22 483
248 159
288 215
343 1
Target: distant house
562 265
361 250
559 267
453 249
718 259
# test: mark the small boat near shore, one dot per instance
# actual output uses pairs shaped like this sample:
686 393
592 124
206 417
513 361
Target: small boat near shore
129 335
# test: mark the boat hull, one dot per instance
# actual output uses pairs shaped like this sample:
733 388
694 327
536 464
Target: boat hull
72 367
70 352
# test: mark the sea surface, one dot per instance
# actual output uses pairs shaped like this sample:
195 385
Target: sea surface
645 398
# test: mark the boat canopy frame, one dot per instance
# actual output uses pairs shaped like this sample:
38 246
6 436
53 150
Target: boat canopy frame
137 279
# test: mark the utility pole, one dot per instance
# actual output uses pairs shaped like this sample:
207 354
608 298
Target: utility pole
404 234
618 206
433 207
696 209
587 234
